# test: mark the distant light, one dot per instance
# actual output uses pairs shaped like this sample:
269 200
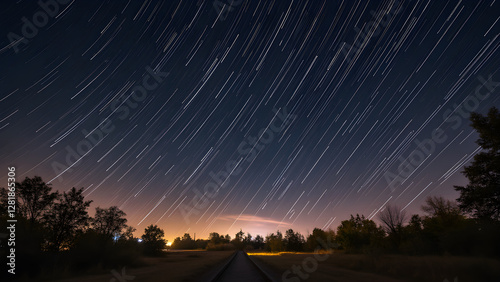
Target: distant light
139 240
169 244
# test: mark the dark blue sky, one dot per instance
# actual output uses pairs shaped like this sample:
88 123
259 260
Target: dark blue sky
217 115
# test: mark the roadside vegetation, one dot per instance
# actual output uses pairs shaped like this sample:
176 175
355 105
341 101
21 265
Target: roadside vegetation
57 237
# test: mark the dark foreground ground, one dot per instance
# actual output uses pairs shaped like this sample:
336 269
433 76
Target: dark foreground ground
195 265
175 266
346 267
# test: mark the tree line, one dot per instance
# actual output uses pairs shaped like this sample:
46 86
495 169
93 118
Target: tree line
442 229
468 226
55 231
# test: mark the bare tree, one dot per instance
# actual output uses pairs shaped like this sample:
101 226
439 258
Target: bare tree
392 218
439 206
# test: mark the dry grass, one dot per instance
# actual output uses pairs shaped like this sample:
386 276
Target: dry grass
346 267
175 266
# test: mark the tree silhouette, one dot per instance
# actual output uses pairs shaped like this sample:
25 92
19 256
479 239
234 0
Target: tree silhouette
239 236
153 240
412 237
258 242
238 240
481 197
443 224
110 221
358 233
67 218
294 241
128 234
187 237
215 238
247 241
186 242
34 198
318 235
439 206
393 218
274 242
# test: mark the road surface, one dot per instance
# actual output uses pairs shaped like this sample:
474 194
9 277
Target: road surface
241 269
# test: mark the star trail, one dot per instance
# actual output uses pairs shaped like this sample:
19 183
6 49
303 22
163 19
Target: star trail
204 116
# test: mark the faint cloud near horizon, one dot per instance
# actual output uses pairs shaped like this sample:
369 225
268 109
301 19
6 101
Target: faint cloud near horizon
253 219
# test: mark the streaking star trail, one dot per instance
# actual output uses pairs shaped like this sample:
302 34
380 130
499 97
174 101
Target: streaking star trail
204 116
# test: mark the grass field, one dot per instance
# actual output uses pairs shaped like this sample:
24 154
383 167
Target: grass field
347 267
191 265
174 266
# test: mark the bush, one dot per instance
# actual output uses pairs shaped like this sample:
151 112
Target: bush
220 247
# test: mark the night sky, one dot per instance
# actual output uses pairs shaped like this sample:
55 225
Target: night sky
281 114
